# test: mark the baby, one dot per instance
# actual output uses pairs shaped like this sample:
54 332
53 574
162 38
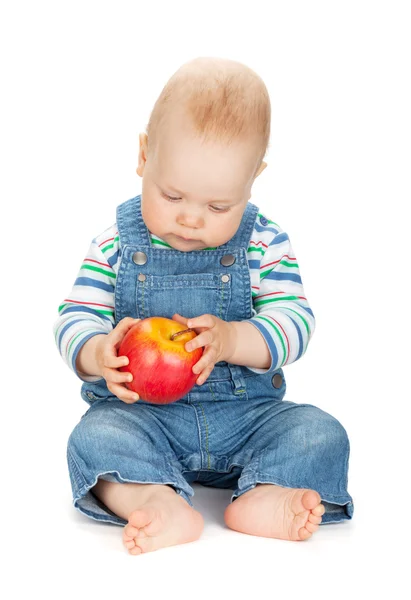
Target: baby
193 248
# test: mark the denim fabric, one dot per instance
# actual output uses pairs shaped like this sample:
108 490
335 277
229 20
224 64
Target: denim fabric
234 431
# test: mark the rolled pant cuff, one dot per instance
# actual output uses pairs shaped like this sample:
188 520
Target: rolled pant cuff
337 507
87 503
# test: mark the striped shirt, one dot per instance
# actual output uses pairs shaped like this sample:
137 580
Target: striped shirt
280 309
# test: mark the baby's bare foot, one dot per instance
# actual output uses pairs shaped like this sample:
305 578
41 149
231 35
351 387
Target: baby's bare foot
164 520
273 511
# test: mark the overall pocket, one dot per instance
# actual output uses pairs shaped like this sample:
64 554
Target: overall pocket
188 294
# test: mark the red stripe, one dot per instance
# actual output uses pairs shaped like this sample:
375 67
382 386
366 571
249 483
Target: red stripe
257 243
255 287
109 240
277 261
91 303
96 261
285 293
285 335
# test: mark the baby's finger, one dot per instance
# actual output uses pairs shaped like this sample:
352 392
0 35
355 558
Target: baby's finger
114 376
202 339
207 359
205 374
202 321
180 319
123 393
115 362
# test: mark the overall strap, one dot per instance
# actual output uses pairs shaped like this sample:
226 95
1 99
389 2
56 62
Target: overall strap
131 227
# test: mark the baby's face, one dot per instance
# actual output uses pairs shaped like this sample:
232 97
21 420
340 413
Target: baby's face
194 194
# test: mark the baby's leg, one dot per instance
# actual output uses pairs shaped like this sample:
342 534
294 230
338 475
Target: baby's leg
115 444
157 516
301 459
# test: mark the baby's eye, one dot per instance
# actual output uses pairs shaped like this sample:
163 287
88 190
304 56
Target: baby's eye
218 209
170 198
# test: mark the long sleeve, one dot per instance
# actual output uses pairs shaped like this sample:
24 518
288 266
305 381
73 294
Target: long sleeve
88 310
282 313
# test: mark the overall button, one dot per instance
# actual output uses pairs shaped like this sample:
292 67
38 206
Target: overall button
141 277
227 260
277 381
139 258
225 278
90 395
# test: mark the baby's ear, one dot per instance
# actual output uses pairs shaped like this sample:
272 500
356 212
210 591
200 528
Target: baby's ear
260 169
142 154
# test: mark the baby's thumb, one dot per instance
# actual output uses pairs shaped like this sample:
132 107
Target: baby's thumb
122 327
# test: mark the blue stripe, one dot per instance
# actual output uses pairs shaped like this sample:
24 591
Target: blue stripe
95 283
63 331
274 275
259 228
307 309
85 309
300 338
113 259
279 239
269 339
254 264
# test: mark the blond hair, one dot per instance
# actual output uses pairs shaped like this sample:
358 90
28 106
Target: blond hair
224 100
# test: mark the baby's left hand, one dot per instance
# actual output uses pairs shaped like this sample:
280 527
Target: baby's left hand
216 335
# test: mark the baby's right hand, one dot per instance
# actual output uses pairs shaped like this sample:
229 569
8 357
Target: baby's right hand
109 362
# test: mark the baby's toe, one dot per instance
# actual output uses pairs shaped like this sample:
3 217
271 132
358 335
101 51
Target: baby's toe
130 531
311 527
304 534
314 519
319 510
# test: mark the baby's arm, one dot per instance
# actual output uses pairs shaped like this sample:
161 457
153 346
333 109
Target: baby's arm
283 316
88 310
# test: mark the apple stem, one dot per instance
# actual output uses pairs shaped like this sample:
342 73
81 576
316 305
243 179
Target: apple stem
173 337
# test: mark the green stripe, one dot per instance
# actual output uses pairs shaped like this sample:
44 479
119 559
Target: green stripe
279 335
159 243
74 339
110 246
282 262
261 302
288 264
103 312
260 250
98 270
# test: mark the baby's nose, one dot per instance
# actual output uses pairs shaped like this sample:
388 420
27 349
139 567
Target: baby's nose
192 220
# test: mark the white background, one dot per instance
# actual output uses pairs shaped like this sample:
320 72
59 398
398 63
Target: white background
78 83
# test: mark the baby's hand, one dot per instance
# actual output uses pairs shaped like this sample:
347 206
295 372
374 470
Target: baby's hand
216 335
109 362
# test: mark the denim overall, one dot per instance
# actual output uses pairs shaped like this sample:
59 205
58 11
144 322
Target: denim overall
235 430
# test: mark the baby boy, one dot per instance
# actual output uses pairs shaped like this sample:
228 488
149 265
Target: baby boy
192 247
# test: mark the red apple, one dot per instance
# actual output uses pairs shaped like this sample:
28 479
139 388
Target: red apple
160 365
